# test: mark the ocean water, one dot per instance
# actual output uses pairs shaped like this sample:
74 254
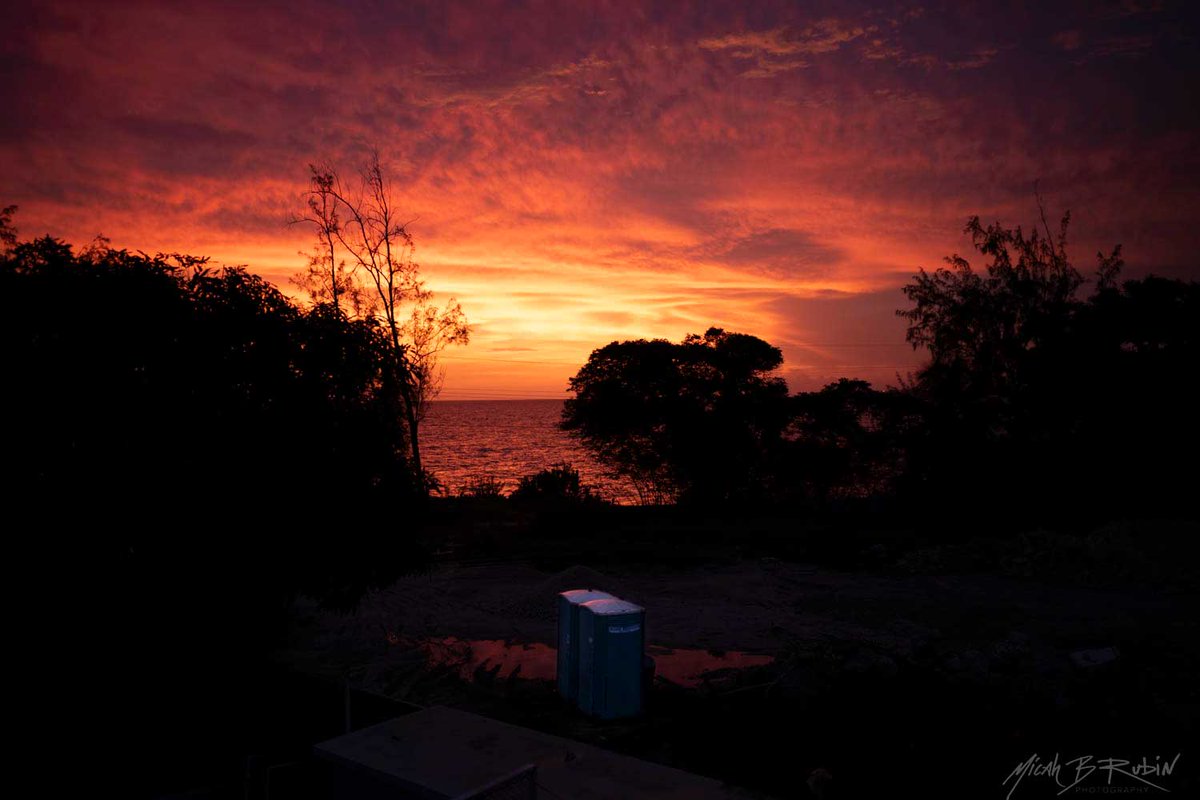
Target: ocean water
503 440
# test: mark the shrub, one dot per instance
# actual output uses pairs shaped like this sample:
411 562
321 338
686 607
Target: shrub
559 484
483 487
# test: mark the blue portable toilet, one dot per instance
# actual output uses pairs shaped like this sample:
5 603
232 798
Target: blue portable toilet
612 639
568 637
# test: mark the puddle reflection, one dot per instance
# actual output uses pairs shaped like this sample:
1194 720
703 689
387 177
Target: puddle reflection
537 661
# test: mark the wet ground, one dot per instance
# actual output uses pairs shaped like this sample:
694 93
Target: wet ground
535 661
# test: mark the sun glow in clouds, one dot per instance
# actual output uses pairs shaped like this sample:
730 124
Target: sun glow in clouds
591 173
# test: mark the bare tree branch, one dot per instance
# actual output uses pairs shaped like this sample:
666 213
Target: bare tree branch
383 279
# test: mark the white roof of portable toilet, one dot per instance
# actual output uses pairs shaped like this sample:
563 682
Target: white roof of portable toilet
611 606
578 596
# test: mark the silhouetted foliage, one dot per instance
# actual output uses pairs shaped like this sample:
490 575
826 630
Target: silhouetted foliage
1037 401
1122 394
693 421
559 485
846 440
8 234
185 452
483 487
171 408
381 282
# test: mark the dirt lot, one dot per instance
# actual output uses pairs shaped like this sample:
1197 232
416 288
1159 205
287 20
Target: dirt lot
760 606
871 670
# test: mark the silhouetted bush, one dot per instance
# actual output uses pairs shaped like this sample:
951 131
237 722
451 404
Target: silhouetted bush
557 486
845 442
185 451
483 487
175 421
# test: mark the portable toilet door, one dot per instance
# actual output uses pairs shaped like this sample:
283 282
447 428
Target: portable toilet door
568 637
612 640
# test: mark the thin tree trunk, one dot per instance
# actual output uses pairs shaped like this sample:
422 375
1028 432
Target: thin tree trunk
415 444
410 403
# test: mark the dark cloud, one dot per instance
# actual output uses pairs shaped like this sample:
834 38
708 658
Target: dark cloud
780 251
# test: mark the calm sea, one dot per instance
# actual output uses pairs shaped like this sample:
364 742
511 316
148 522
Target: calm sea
504 440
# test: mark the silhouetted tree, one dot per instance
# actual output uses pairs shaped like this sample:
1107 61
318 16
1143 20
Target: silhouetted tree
173 475
987 334
159 393
692 421
847 440
1036 398
327 279
981 330
1123 395
383 283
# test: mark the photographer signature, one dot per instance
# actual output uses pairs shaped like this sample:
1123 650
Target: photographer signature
1069 774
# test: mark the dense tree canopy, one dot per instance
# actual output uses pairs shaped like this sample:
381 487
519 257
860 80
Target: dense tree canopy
185 451
1037 400
156 393
692 421
847 440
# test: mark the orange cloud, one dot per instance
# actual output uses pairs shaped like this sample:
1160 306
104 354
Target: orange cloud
580 175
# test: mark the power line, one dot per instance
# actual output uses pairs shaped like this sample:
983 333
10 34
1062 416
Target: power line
454 359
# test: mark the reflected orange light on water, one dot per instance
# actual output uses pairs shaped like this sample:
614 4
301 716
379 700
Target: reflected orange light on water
536 661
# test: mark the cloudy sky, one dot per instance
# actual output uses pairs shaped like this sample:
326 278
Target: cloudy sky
584 172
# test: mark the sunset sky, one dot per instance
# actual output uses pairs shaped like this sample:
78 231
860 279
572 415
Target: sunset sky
584 172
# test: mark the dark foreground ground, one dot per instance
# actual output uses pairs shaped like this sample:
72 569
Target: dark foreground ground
881 663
